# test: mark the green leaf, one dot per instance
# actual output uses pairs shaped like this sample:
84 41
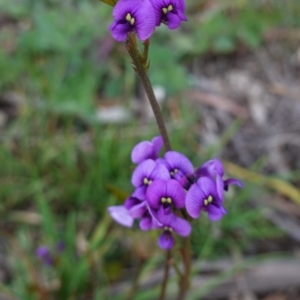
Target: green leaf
110 2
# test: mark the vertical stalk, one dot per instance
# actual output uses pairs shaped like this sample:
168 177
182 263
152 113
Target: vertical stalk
141 70
140 65
184 281
166 275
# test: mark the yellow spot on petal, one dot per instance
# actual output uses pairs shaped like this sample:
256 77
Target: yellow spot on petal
170 7
210 199
169 200
132 21
176 171
128 17
163 200
205 202
165 10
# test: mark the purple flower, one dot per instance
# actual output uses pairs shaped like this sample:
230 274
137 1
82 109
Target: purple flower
166 194
177 164
171 223
44 254
170 12
144 174
140 209
214 169
121 215
133 16
203 196
146 149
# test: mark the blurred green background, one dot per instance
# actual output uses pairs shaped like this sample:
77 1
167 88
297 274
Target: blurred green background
62 165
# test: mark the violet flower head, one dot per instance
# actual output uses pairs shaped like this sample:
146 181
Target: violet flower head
177 164
171 224
145 150
169 12
165 194
215 170
203 196
144 174
133 16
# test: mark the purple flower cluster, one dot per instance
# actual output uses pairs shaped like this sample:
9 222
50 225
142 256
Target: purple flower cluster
142 16
164 187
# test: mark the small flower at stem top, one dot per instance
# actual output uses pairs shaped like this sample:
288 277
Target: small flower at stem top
133 16
169 12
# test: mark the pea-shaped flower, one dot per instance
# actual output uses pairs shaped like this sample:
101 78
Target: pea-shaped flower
171 224
165 194
203 196
144 174
169 12
133 16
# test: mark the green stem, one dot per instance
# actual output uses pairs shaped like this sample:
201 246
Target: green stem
184 281
141 70
166 275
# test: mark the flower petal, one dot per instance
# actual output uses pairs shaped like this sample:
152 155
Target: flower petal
160 172
156 190
208 186
157 145
211 168
178 161
176 192
141 152
119 31
145 19
166 240
121 215
215 213
143 170
194 201
146 223
137 211
220 187
232 181
140 192
131 201
181 226
173 21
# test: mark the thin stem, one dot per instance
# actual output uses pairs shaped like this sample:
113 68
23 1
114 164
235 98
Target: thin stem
184 282
166 275
141 70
